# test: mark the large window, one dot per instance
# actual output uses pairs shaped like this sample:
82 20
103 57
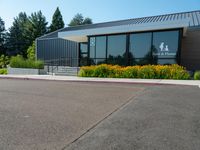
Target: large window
140 48
116 49
97 50
101 47
159 47
165 47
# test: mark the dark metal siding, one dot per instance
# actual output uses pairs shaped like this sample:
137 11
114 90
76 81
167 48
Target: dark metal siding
57 50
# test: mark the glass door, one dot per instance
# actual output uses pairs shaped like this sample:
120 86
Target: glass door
83 54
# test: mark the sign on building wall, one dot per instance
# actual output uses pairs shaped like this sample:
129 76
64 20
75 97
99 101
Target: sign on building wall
92 41
164 50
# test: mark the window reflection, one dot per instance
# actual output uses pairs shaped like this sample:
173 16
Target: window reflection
97 61
140 44
101 47
165 44
83 54
144 48
116 49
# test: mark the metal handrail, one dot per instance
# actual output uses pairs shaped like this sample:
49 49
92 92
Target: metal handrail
63 61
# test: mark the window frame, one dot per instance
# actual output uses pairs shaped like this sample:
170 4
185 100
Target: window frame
178 58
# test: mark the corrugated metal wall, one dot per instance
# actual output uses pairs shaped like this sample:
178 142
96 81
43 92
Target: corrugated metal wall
57 51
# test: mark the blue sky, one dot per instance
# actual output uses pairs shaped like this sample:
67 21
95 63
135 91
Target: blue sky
98 10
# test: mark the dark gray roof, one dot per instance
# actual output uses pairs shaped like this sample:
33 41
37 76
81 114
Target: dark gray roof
193 15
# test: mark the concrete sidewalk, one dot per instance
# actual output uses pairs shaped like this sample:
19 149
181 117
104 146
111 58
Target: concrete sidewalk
107 80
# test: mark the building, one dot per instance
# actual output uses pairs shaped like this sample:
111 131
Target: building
163 39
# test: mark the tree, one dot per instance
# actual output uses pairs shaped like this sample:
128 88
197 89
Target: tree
2 36
80 20
36 26
87 21
57 21
17 42
31 52
24 31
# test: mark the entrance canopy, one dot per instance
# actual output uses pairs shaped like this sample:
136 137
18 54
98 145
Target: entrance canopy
82 34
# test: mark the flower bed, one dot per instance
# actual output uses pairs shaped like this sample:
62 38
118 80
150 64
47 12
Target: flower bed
142 72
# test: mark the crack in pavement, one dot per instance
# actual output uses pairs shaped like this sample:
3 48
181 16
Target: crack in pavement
130 99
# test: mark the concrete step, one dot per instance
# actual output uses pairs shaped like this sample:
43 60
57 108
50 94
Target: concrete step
65 70
68 69
66 74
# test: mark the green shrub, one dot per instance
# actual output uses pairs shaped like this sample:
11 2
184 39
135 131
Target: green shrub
31 52
197 75
131 72
4 61
143 72
147 72
20 62
179 72
86 71
3 71
163 72
101 71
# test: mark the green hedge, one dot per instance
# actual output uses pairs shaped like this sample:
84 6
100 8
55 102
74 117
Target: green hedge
197 75
142 72
3 71
20 62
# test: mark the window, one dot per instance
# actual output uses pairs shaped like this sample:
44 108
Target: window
101 47
97 61
83 54
92 47
140 44
140 48
83 48
165 44
159 47
116 49
97 50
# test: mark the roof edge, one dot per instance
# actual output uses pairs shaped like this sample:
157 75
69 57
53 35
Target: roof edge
74 27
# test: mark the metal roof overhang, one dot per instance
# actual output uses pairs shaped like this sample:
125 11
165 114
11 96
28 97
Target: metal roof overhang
81 35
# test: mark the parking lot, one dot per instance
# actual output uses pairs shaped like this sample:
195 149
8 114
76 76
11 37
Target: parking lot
86 115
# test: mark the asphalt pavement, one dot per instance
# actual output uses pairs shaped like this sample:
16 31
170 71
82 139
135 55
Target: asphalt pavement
162 118
38 115
56 115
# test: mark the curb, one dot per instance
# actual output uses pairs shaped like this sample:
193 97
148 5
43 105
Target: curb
158 82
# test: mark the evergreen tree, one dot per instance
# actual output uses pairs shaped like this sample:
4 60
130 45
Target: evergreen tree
24 31
2 36
80 20
36 26
57 21
17 43
87 21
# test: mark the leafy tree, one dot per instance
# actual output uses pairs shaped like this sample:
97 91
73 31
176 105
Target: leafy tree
17 42
57 21
36 26
31 52
80 20
2 36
